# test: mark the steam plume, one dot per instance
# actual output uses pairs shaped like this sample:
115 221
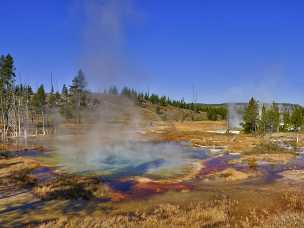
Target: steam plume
114 141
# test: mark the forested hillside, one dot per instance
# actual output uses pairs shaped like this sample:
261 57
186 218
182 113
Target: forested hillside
27 112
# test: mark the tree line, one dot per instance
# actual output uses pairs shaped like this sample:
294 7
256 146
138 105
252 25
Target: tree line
26 112
259 118
213 112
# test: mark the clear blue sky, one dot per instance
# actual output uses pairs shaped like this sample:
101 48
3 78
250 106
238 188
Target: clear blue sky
225 50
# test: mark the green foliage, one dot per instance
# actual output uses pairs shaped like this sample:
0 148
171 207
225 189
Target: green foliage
7 72
52 100
7 79
297 118
270 120
213 112
113 91
78 98
268 148
262 125
39 99
250 117
286 121
79 82
163 101
65 91
65 106
273 118
154 99
73 101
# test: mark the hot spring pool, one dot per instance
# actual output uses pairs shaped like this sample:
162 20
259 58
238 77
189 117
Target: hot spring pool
130 159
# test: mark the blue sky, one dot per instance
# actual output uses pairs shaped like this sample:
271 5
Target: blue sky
224 50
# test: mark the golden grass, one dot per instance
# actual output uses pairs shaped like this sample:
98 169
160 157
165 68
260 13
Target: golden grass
267 151
268 148
221 212
230 174
197 132
165 215
72 187
199 126
16 171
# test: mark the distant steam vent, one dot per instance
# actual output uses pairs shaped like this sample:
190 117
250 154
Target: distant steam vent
234 115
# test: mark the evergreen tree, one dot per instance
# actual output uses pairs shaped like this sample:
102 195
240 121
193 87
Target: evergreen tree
264 120
65 107
125 92
286 120
78 94
52 100
79 82
154 98
39 102
7 79
250 116
297 118
113 91
64 91
39 98
163 101
274 117
7 72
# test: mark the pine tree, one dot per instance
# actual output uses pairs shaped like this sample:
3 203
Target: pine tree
274 117
7 72
7 79
52 100
251 116
113 91
79 82
65 106
286 120
39 102
264 120
78 94
297 118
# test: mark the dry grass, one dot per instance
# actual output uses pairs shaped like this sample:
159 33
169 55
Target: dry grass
199 126
197 132
293 200
72 187
286 220
267 151
295 175
268 148
230 174
17 171
215 214
5 148
293 214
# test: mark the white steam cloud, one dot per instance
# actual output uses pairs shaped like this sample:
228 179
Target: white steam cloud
235 115
104 56
112 141
114 144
